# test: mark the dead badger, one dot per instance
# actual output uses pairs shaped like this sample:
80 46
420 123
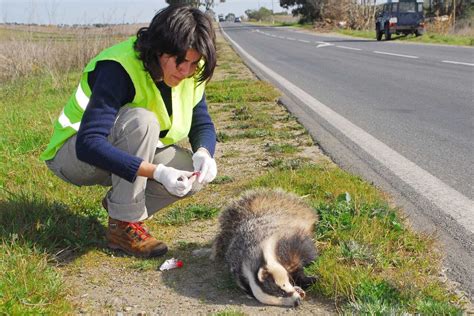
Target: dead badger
265 238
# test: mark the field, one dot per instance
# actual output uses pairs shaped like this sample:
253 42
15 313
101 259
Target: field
52 245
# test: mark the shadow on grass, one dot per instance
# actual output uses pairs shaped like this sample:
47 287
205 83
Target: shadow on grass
50 226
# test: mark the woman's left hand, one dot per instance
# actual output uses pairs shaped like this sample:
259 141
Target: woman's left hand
205 165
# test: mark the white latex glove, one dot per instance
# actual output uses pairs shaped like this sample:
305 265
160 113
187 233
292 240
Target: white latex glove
177 182
205 165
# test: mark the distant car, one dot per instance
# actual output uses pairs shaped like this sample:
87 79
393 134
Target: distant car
400 17
237 20
221 19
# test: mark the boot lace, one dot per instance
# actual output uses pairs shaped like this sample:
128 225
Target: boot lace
139 231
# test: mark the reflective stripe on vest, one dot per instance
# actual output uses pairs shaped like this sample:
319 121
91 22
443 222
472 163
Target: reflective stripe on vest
82 100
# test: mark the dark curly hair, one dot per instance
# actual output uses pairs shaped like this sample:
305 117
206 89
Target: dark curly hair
174 30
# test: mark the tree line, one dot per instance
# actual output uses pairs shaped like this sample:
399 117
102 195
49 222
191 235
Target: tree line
360 13
207 4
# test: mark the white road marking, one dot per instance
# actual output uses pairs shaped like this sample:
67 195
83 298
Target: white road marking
346 47
323 44
457 63
450 201
398 55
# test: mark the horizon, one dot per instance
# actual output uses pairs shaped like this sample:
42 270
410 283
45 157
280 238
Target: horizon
89 12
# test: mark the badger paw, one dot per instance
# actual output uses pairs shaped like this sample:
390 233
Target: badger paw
300 291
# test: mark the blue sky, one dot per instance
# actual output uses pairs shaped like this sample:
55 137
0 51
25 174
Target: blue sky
105 11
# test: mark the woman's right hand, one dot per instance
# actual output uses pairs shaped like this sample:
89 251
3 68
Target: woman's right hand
177 182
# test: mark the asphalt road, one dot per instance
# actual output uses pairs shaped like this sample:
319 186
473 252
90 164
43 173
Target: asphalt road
400 115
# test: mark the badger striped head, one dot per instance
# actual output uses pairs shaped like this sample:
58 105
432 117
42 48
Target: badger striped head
271 285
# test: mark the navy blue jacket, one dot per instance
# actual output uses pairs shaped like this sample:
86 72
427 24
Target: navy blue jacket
112 88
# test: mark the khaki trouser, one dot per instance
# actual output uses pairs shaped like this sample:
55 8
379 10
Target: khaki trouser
136 131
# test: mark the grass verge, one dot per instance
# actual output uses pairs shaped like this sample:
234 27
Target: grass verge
428 37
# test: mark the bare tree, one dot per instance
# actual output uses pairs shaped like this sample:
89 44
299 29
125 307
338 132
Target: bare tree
208 4
32 13
3 9
309 10
359 14
51 8
194 3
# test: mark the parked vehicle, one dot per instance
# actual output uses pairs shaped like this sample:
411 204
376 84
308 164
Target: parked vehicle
400 17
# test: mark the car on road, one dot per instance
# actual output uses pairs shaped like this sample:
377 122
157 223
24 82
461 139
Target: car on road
237 20
400 17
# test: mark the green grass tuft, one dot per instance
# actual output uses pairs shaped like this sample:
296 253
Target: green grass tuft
229 312
288 164
147 264
181 216
222 179
253 133
281 148
375 298
241 113
227 91
222 137
430 306
28 284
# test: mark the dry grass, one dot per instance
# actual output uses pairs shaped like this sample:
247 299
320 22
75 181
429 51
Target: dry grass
26 51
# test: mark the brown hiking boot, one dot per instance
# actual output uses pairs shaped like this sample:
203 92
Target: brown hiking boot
134 239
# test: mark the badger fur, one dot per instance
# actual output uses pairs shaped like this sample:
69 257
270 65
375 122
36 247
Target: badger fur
266 240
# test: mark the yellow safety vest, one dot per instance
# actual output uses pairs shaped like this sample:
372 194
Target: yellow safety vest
184 98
